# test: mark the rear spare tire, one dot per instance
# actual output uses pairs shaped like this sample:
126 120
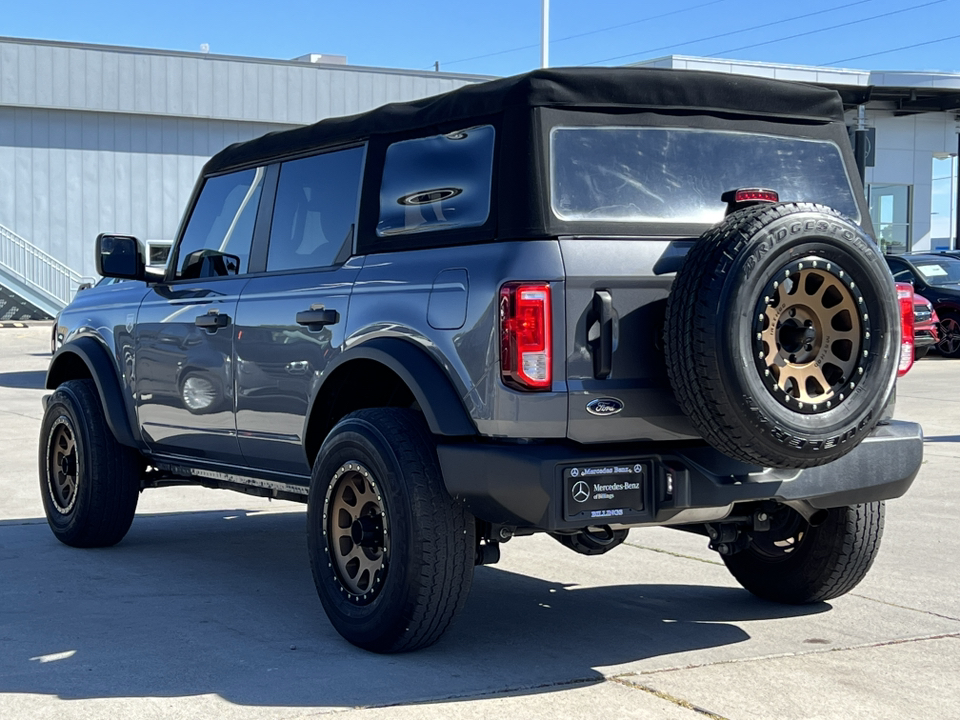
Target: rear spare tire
782 335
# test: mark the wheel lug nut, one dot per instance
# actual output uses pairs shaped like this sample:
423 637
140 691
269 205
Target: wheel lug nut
793 313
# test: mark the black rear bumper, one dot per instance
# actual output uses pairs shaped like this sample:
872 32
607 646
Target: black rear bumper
524 485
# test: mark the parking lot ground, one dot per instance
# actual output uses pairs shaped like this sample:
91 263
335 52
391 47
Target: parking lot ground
207 608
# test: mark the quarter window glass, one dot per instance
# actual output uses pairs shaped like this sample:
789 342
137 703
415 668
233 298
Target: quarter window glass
218 237
437 183
631 174
315 210
901 273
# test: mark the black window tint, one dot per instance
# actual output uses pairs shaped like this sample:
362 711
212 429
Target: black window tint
221 226
437 183
315 209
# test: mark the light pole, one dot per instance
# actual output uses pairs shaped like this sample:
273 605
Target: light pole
544 33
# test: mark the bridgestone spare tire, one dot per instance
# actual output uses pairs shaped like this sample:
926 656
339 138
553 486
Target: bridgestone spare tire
782 335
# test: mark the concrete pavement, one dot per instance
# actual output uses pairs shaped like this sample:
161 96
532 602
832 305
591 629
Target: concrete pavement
208 608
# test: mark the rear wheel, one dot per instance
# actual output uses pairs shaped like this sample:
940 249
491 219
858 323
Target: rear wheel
392 553
89 482
796 563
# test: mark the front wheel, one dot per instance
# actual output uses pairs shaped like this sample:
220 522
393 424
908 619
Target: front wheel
89 482
797 563
392 553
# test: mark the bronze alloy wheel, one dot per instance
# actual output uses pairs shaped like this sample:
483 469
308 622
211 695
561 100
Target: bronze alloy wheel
62 466
811 340
357 533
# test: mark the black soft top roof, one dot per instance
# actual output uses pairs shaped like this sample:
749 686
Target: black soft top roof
586 88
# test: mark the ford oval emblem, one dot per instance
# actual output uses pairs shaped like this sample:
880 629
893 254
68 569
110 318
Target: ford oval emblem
604 406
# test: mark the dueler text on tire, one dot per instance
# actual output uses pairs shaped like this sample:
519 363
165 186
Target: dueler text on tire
392 553
89 482
782 335
795 563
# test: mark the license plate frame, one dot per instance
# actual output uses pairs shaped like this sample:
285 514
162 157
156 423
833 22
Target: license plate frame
600 493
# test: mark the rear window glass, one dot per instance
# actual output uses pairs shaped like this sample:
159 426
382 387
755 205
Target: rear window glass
437 183
630 174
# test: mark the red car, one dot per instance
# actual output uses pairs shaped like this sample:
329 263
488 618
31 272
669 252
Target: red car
926 332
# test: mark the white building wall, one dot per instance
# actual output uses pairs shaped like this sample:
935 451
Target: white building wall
66 176
124 80
100 139
905 149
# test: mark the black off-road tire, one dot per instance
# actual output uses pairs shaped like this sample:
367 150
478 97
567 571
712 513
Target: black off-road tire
800 564
782 334
89 482
397 584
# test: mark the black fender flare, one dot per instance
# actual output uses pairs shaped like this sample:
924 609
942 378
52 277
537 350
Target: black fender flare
431 387
103 371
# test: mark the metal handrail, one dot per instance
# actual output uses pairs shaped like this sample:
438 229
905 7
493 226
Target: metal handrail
38 270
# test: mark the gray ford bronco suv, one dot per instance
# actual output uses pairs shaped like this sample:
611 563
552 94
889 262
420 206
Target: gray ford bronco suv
573 301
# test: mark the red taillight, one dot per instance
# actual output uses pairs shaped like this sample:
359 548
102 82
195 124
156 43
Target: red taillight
756 195
525 337
905 296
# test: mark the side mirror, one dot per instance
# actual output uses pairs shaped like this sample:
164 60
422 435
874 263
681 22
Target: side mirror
119 256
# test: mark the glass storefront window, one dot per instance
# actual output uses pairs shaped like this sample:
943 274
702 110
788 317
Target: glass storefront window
943 200
890 213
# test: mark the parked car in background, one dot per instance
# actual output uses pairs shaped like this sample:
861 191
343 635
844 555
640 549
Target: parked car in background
936 277
926 334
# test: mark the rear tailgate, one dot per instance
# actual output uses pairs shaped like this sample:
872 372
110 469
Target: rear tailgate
622 272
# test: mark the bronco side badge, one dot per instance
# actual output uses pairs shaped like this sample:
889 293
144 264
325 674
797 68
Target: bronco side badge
604 406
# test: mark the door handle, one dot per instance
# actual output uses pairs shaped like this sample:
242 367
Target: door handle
603 346
212 321
317 317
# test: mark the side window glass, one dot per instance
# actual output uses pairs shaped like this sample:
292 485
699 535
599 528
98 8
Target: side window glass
220 231
315 210
901 273
437 183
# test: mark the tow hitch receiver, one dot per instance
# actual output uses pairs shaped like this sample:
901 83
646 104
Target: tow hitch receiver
727 538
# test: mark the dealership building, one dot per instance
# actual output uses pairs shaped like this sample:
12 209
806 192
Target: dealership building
111 139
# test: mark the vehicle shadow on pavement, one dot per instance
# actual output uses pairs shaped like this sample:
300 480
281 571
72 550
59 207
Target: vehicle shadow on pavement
28 379
223 602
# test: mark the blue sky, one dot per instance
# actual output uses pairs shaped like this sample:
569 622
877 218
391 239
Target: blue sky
463 36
